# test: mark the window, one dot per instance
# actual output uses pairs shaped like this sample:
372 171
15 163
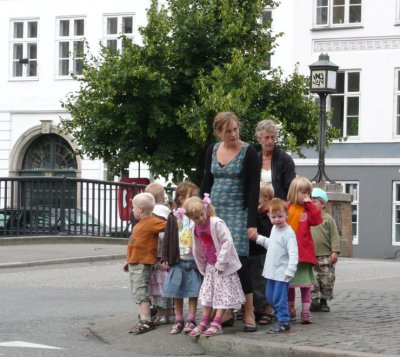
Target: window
396 214
114 27
337 13
24 48
397 101
398 12
353 189
266 19
345 104
70 45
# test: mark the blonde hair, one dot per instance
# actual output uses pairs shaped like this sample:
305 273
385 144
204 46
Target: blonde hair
183 190
194 206
222 120
145 200
277 205
157 191
299 184
267 190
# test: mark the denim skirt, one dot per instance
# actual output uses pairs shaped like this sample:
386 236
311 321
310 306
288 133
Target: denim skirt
183 280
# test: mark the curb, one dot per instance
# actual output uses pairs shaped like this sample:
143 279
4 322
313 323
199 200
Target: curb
233 346
89 259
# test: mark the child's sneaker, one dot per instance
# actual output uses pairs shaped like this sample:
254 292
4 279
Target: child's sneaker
280 327
160 320
306 317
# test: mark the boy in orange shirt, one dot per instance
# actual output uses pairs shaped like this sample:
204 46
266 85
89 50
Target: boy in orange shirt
142 255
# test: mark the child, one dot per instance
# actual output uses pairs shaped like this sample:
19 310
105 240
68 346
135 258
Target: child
164 305
327 247
218 262
141 256
280 263
263 309
303 214
184 279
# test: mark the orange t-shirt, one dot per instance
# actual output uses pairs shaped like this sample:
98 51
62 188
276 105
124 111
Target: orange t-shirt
142 245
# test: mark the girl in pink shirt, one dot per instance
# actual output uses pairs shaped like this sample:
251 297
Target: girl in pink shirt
217 260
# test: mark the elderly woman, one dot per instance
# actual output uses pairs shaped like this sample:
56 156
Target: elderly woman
232 172
278 169
277 166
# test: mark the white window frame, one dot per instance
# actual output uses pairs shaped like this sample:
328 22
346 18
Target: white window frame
346 95
396 102
25 41
72 59
354 204
397 20
120 31
395 204
329 21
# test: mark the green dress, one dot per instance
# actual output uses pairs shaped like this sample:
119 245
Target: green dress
227 197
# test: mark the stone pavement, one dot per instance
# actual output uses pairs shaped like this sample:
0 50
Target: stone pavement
364 318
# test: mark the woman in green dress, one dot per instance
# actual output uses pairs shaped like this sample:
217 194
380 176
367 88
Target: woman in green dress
232 178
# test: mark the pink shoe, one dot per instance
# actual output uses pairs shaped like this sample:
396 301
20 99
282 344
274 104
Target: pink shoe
306 317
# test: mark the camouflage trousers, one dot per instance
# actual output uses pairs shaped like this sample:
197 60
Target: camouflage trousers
325 278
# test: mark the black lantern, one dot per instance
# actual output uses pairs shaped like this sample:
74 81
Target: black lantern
322 82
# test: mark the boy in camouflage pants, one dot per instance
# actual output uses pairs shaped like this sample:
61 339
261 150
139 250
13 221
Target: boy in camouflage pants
327 247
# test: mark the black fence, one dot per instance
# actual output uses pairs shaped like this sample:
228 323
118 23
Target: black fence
67 206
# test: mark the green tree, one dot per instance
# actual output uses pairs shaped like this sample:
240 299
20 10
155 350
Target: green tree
155 103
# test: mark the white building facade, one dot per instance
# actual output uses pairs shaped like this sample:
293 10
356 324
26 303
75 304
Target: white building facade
42 43
363 38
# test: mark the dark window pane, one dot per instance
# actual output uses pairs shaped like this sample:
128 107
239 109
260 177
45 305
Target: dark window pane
340 82
64 27
32 29
79 29
64 67
337 107
322 2
112 45
397 193
338 2
322 16
63 50
127 25
352 126
32 51
78 66
32 68
338 15
355 14
352 106
353 82
17 69
18 29
267 16
112 25
18 50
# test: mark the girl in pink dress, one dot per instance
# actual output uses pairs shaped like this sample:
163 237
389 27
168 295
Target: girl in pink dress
217 260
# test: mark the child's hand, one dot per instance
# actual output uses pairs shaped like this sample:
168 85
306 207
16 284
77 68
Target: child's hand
288 278
220 272
126 267
252 233
253 238
334 257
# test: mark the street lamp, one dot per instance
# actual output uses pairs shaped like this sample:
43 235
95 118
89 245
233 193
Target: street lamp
322 82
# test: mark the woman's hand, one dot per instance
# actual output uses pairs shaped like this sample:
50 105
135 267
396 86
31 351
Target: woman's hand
126 267
252 233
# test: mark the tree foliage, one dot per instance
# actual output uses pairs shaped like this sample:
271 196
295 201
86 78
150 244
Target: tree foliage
155 102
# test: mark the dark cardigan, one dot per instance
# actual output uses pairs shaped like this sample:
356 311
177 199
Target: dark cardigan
170 242
283 172
250 176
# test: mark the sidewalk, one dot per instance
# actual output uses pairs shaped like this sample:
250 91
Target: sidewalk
364 318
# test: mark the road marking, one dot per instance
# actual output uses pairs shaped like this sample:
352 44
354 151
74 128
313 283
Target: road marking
27 345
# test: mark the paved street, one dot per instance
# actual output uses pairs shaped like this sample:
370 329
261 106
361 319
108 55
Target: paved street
83 307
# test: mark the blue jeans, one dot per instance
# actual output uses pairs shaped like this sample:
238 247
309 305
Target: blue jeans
277 296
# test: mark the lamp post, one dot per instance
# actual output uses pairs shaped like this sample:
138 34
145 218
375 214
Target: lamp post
322 82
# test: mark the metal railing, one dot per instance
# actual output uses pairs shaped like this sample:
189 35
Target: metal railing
68 206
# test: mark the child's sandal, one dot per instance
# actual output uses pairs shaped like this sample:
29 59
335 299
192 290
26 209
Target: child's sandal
198 330
189 326
142 327
214 330
177 328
